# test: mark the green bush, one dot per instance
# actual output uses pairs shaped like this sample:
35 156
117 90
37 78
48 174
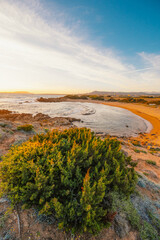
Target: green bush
151 162
68 174
26 127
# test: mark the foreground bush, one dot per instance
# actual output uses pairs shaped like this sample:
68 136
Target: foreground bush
68 174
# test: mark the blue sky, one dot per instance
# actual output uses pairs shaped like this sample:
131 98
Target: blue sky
129 26
73 46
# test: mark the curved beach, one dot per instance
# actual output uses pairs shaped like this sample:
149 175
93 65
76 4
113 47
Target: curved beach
149 113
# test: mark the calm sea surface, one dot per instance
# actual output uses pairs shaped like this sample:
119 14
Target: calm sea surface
98 117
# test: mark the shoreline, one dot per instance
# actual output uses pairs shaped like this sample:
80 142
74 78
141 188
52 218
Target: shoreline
148 113
151 114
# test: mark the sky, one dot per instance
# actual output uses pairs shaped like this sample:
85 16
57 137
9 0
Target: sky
78 46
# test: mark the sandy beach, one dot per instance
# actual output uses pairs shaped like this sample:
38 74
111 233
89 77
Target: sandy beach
149 113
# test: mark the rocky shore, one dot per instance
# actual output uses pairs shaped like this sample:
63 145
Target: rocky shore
10 121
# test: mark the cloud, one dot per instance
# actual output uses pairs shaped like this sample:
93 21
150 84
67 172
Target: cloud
38 52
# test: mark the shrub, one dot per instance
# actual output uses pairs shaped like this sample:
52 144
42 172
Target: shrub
151 162
136 143
67 173
140 151
96 97
26 127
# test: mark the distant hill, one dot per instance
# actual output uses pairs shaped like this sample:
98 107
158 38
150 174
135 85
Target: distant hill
18 92
123 93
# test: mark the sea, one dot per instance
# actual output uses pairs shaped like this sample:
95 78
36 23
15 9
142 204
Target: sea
99 118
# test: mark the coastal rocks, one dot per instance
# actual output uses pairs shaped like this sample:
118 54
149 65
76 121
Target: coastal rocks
10 121
3 112
60 99
41 117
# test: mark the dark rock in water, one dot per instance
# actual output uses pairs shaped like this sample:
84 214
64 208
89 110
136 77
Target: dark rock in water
100 133
127 126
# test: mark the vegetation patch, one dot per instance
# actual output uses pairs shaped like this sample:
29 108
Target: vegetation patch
25 127
136 143
151 162
3 125
140 151
85 97
145 222
97 97
68 174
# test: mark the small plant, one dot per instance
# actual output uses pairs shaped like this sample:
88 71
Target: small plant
148 232
146 174
46 130
136 143
3 125
151 162
140 151
137 150
26 127
3 218
144 151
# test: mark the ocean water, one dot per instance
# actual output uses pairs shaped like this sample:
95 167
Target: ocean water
98 117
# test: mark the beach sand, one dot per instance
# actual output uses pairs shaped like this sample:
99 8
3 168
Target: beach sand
151 114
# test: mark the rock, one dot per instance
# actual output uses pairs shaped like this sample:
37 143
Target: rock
121 225
141 183
151 173
125 152
157 204
41 116
3 200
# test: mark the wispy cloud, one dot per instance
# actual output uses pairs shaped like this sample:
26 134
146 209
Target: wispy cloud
41 54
